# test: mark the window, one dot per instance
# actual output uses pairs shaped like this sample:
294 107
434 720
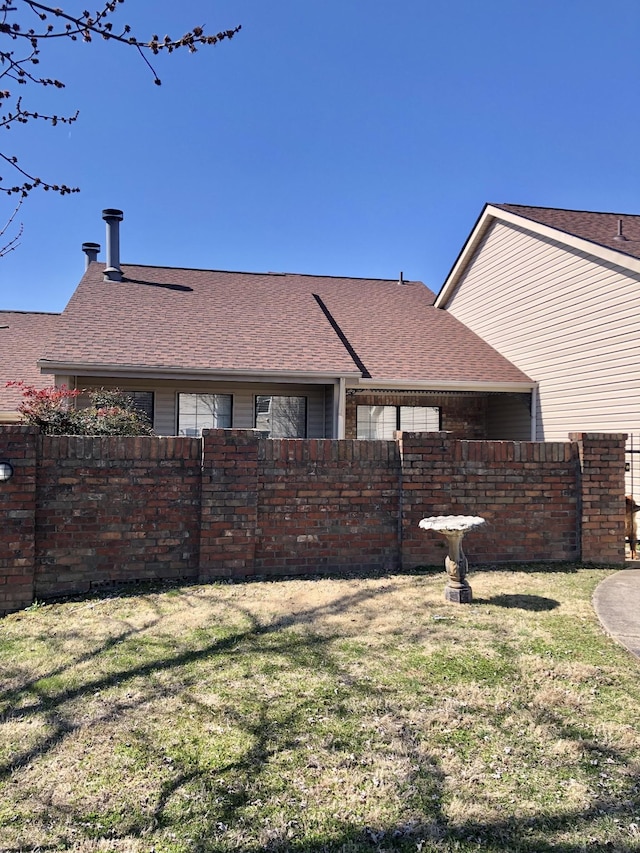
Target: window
143 402
282 417
420 418
380 422
376 422
203 411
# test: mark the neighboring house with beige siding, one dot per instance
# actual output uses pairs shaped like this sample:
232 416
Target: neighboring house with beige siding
294 355
557 292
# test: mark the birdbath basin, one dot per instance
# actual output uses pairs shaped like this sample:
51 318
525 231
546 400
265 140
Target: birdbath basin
454 527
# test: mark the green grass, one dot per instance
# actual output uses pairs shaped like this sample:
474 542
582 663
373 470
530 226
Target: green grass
362 714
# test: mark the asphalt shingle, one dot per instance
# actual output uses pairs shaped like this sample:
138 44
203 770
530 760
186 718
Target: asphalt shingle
208 320
24 335
599 228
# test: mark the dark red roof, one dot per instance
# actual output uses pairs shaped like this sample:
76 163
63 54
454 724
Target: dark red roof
208 320
24 336
599 228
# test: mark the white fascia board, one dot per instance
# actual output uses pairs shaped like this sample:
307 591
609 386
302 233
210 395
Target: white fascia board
474 238
149 372
490 213
443 385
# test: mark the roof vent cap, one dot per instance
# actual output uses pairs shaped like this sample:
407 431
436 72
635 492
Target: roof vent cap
619 235
91 251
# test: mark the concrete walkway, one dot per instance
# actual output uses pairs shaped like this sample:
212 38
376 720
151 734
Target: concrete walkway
617 605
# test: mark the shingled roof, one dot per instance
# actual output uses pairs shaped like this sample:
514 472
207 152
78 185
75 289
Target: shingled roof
599 228
206 322
24 335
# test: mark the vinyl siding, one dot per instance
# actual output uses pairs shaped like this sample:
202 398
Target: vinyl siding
566 319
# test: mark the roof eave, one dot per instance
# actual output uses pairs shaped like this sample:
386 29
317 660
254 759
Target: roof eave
520 387
478 231
132 371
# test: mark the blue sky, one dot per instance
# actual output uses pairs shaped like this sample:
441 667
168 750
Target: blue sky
345 137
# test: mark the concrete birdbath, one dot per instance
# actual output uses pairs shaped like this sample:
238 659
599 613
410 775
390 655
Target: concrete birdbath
454 527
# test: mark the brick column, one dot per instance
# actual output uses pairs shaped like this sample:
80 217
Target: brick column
426 460
18 445
229 503
602 496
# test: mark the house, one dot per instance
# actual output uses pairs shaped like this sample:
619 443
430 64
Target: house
557 292
295 355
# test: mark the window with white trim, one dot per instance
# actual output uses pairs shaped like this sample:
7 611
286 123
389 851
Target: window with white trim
380 422
203 411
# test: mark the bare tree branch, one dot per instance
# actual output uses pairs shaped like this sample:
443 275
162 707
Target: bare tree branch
14 242
20 45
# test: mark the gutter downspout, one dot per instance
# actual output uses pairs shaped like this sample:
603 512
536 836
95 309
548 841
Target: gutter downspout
534 413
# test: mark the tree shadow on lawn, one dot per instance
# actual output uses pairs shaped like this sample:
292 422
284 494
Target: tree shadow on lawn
427 828
266 735
225 794
41 701
426 792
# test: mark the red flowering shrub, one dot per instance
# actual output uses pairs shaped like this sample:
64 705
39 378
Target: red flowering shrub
50 408
53 410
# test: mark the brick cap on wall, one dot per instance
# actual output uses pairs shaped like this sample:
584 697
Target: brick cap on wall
252 433
443 433
598 436
21 429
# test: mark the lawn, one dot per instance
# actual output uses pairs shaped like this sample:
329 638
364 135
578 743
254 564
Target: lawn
338 715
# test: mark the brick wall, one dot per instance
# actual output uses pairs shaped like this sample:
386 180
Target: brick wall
527 492
112 509
18 445
327 505
82 512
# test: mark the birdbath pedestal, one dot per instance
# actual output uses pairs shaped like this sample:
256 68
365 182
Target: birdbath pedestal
454 527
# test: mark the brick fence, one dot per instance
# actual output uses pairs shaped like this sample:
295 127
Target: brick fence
81 512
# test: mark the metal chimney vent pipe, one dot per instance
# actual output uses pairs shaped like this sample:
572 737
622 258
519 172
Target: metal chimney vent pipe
91 251
113 218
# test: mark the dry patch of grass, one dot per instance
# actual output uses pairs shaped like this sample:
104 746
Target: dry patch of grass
321 715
